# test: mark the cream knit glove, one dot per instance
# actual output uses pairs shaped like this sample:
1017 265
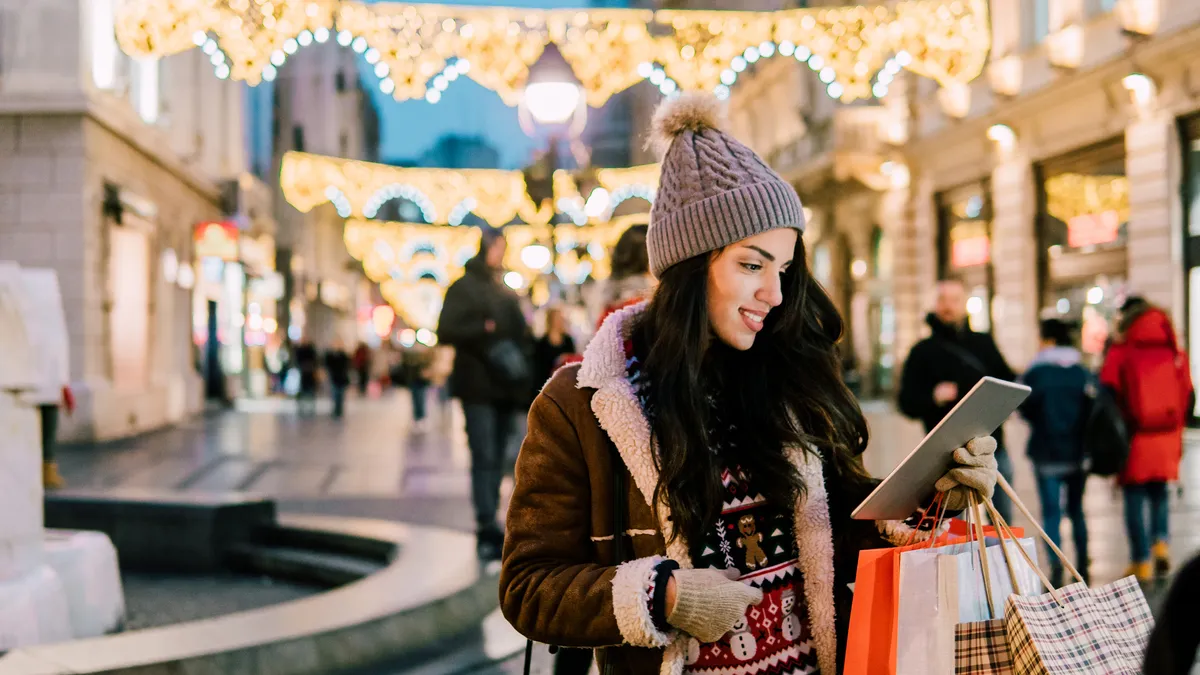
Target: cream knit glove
709 602
975 469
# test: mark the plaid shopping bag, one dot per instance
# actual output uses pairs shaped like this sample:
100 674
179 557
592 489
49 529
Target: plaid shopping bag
981 648
1093 630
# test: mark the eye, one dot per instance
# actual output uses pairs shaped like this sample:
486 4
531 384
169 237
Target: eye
752 267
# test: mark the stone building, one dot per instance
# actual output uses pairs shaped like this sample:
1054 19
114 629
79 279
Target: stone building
319 105
1058 183
106 166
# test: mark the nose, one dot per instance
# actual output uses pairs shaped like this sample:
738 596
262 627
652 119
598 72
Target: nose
771 291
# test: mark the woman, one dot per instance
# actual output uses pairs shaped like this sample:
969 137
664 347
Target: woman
724 400
630 280
549 350
1150 377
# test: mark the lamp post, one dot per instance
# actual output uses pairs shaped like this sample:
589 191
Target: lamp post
553 94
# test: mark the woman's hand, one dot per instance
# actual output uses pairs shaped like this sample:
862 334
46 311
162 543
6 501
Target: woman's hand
707 603
975 470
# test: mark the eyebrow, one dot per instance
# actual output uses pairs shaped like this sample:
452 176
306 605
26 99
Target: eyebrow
763 253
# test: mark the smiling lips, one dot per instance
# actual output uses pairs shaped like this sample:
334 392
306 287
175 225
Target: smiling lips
753 319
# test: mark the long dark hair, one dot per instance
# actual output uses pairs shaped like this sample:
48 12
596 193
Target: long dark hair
785 391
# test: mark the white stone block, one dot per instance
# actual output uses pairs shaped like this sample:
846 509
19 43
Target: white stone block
86 562
39 133
33 610
20 488
21 172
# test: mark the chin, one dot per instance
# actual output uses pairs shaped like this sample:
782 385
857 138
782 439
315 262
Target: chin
739 341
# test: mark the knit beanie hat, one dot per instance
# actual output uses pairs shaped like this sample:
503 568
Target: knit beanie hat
713 191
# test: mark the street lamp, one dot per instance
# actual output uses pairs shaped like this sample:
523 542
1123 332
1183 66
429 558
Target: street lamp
553 93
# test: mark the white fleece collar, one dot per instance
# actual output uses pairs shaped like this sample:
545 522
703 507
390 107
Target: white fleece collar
619 413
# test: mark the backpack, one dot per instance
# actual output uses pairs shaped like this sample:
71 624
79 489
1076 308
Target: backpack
1154 379
1105 437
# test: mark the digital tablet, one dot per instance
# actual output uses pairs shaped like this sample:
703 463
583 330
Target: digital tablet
909 485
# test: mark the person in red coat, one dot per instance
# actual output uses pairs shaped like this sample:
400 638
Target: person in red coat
1150 376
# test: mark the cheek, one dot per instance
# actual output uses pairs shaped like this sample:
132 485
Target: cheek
722 297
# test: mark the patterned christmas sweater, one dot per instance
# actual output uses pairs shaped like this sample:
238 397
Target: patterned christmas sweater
759 540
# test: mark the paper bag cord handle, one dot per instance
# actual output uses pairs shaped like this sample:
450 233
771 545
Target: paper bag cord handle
1012 495
977 528
1003 528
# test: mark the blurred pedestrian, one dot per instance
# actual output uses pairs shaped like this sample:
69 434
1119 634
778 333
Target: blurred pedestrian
943 367
417 362
482 319
49 341
1150 378
703 459
362 367
550 349
337 367
630 280
1057 412
307 362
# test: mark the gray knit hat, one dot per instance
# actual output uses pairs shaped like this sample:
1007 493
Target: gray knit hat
713 190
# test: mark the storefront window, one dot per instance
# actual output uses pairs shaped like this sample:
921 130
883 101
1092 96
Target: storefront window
965 248
1082 236
1191 145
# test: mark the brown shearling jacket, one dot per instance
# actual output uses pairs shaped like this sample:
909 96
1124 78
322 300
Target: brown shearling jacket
558 584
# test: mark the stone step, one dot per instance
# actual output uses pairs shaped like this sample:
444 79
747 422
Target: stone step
319 568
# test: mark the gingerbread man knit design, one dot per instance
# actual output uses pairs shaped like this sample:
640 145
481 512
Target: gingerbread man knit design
750 541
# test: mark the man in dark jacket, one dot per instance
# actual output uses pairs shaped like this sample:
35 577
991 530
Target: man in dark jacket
943 367
1057 412
482 319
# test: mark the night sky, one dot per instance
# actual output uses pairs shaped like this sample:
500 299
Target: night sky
411 127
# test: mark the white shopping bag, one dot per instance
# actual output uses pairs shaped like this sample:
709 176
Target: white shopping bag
925 622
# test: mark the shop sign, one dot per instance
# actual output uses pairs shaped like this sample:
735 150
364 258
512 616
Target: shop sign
217 239
258 254
1093 229
970 245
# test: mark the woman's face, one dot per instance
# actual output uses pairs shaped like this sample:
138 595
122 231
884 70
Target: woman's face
745 283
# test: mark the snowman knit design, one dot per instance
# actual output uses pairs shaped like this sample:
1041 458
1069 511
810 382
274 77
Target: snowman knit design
774 637
758 539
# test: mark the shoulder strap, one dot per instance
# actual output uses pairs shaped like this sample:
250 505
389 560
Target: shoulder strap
968 359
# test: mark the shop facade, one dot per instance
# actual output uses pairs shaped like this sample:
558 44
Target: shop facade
1082 187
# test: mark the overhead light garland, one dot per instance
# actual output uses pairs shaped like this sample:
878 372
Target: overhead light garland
414 263
447 196
418 50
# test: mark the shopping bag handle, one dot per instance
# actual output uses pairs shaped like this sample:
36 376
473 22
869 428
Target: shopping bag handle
1008 563
1012 495
1002 528
974 522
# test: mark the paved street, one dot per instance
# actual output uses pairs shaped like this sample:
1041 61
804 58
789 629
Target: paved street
370 464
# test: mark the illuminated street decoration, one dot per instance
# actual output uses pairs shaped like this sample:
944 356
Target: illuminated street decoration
497 196
414 263
418 50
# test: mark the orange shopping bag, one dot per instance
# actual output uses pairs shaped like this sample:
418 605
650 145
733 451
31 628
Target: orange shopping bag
871 642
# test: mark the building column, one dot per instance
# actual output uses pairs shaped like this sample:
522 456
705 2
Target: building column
1153 163
1014 261
914 236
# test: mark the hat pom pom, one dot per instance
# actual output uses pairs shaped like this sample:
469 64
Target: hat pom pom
689 111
